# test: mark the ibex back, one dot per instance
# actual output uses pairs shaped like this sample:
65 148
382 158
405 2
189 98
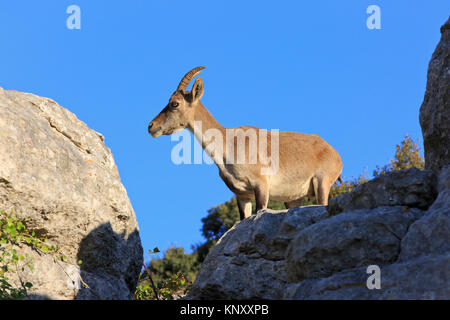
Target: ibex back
306 165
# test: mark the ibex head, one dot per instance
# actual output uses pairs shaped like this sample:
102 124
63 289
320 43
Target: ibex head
179 112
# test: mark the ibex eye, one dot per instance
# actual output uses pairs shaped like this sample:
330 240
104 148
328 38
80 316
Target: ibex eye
175 104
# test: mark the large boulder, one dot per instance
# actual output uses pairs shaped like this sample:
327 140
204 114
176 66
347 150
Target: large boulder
248 261
435 110
348 240
411 188
426 277
301 253
431 234
59 174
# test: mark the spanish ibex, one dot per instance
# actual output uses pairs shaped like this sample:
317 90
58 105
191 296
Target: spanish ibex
307 165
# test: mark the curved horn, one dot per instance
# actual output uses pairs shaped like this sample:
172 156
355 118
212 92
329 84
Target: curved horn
188 77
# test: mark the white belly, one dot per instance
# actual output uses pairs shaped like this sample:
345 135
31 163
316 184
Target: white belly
289 191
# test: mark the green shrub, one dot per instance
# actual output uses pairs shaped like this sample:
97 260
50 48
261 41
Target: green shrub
14 234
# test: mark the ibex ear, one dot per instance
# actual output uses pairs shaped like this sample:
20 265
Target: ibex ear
197 89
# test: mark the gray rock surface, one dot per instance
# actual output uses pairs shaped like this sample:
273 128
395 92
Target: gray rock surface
302 253
248 261
57 172
412 188
348 240
426 277
435 110
431 234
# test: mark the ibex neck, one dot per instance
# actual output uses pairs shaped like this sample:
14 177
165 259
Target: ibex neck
206 121
205 125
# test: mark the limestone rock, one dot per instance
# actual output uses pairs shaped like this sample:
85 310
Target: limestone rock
301 253
411 188
248 261
57 172
422 278
348 240
435 110
431 234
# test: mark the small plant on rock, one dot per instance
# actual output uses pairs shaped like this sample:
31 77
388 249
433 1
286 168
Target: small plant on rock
13 236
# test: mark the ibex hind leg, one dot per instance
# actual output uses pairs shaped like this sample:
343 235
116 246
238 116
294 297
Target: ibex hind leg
261 196
321 190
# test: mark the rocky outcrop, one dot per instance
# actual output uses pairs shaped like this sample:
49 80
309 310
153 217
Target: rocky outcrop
435 110
431 234
302 253
248 261
399 222
57 172
414 266
410 188
426 277
349 240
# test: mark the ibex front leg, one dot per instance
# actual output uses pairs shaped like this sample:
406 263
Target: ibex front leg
245 207
261 196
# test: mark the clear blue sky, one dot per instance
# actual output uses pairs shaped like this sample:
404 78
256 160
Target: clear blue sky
306 66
